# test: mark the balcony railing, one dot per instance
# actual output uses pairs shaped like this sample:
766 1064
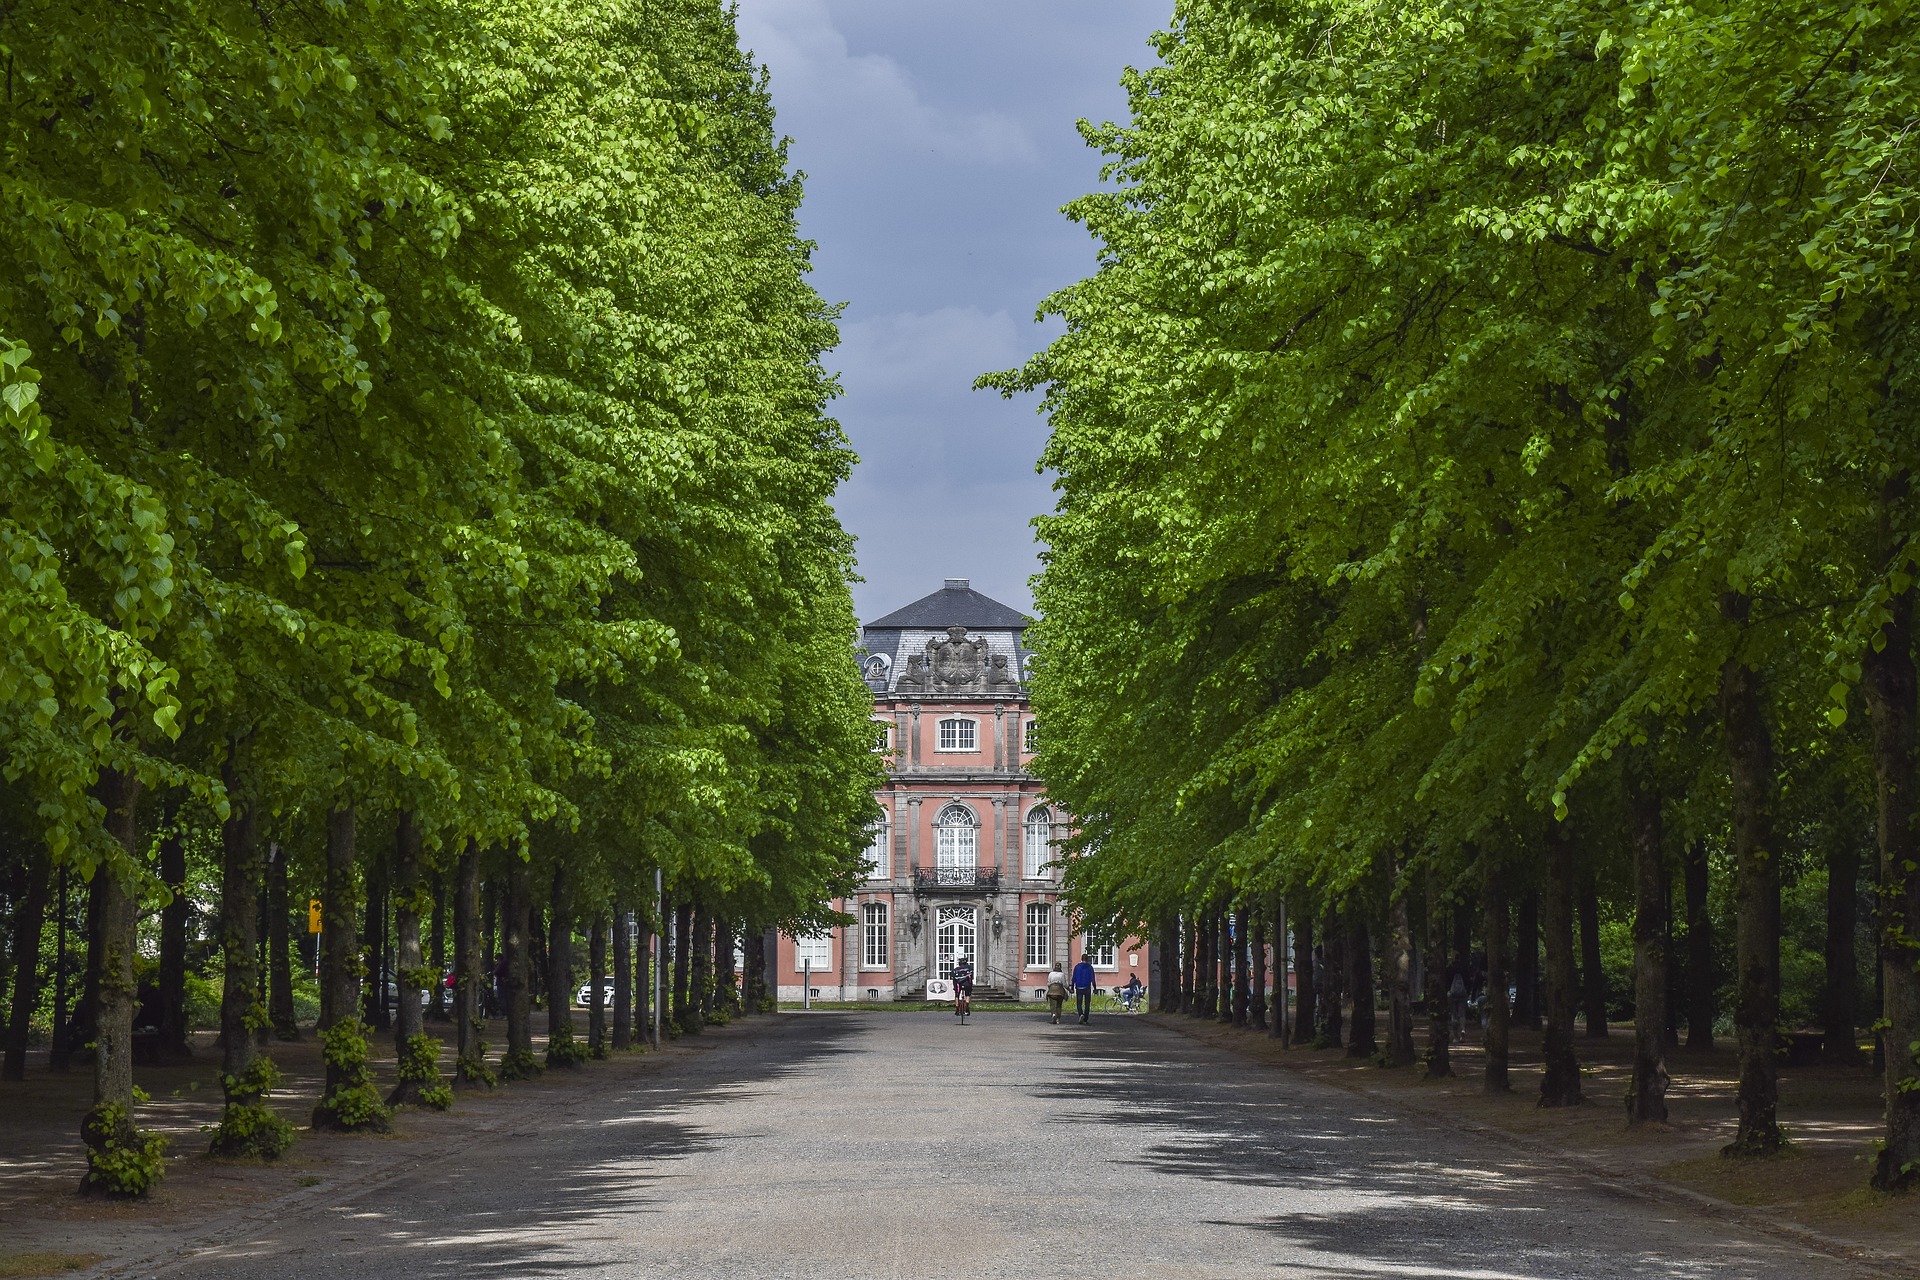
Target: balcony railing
955 879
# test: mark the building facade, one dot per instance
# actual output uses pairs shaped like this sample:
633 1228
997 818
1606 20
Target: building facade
964 860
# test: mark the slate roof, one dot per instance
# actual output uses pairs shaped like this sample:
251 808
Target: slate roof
953 606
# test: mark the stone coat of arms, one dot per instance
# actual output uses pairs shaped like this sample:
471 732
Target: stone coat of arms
956 663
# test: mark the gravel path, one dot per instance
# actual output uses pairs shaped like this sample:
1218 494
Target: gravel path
902 1144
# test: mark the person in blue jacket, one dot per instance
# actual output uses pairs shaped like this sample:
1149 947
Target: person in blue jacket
1083 989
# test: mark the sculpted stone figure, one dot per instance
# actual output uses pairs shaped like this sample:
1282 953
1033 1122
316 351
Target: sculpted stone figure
957 663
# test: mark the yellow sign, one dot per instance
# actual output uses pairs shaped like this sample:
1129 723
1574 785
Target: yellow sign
313 915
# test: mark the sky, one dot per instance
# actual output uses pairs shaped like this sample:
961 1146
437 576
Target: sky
938 142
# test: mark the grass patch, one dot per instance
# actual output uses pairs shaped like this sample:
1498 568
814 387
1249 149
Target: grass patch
46 1264
310 1181
1774 1180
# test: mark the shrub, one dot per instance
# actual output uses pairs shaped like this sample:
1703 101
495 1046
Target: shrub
121 1160
353 1103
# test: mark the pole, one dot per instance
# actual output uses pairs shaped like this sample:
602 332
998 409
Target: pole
806 983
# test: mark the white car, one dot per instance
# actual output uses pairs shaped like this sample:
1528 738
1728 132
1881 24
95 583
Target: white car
584 996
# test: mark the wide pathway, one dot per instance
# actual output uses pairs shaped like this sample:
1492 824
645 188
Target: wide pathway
901 1144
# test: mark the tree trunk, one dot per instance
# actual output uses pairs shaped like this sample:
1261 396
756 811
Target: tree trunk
437 944
1493 902
240 875
173 939
753 983
1439 1056
1890 688
1242 977
1757 902
1277 1003
700 974
408 1020
1229 964
597 1006
109 1124
1526 962
561 1047
726 996
1189 964
1208 972
516 913
373 995
339 947
683 1014
1360 1034
1593 975
83 1027
1333 972
1647 1090
1560 1079
622 976
1166 990
1400 1051
1257 987
279 949
1702 982
644 962
29 920
1305 998
1839 999
469 974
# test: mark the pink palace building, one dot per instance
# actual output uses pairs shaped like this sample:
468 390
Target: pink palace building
963 863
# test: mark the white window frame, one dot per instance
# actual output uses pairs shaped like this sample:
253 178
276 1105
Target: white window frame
1094 946
1037 935
879 853
876 942
956 844
820 947
883 740
1027 732
972 735
1036 854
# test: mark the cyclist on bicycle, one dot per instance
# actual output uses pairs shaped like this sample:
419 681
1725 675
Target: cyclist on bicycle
962 986
1130 996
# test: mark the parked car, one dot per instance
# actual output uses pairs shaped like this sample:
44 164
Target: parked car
584 996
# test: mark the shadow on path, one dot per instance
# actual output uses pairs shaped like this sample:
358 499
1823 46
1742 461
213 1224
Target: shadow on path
526 1198
1368 1194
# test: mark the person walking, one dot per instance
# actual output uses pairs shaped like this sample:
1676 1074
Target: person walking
1457 1002
1083 989
1056 993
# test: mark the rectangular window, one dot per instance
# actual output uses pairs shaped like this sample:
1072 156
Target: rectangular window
1039 935
1098 950
883 736
879 854
958 735
873 953
1029 736
818 949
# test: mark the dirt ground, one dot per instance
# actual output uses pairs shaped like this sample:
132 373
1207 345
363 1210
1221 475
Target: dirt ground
1817 1189
47 1229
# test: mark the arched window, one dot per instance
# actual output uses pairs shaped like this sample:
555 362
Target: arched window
958 734
879 854
1039 849
956 844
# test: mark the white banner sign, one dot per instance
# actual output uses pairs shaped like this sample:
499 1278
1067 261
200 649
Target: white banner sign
939 989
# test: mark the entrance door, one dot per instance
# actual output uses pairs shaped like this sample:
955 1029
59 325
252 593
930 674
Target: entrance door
957 934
